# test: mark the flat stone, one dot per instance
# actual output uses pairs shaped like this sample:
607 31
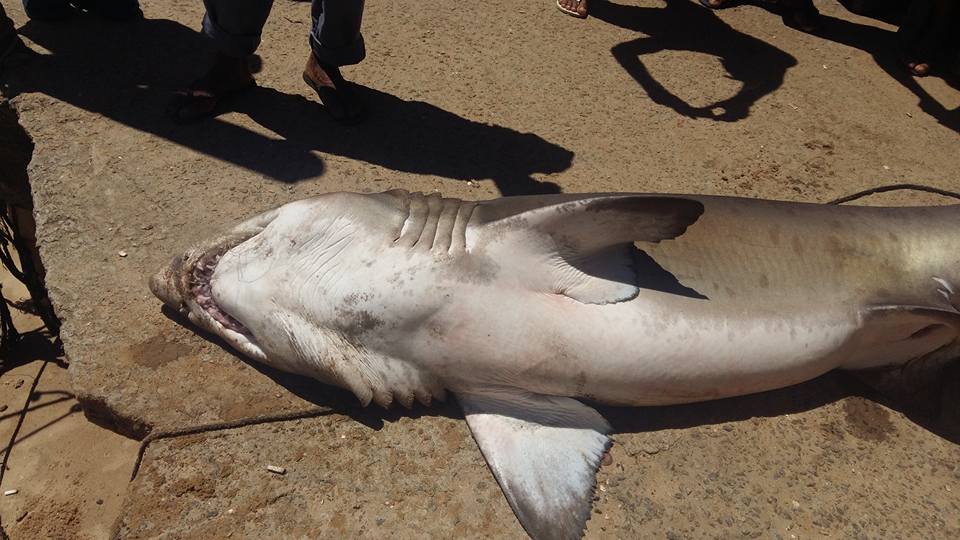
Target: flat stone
812 460
346 477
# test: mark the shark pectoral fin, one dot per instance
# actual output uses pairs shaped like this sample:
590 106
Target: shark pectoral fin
584 248
544 452
595 222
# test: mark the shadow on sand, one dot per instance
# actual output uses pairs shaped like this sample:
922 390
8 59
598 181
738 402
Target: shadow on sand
881 44
128 72
682 25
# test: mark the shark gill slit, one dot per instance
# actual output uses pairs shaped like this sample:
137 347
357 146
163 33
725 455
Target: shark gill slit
435 223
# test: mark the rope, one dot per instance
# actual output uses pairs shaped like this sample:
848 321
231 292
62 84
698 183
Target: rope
218 426
20 419
895 187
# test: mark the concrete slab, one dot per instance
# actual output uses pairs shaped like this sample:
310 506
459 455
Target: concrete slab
810 461
473 101
343 479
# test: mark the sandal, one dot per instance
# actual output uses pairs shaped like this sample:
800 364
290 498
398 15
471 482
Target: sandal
575 12
918 68
227 77
338 100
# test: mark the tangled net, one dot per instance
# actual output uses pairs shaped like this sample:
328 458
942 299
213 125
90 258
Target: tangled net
17 248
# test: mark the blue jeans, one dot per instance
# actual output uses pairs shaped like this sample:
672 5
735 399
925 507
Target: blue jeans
60 9
235 27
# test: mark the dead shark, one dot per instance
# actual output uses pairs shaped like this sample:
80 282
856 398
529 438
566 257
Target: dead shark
524 306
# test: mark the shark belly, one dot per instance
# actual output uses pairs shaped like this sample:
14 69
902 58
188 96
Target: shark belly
653 350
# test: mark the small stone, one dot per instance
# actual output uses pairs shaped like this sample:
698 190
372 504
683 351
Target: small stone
22 515
122 253
3 408
230 511
18 384
99 501
10 492
276 469
795 504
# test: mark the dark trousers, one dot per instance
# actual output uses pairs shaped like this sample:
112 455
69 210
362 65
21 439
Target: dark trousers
7 31
235 27
927 28
59 9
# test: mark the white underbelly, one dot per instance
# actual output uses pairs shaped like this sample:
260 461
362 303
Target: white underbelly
642 352
661 358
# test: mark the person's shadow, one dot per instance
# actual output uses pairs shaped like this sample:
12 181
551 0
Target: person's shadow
128 73
881 45
683 25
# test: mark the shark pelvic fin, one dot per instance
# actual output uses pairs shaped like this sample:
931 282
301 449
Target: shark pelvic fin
895 334
544 452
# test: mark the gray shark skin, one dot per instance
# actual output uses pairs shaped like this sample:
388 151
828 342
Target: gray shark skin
523 306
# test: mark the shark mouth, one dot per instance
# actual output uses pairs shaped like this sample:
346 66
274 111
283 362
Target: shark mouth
202 291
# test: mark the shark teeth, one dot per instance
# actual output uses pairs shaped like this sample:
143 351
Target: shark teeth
201 288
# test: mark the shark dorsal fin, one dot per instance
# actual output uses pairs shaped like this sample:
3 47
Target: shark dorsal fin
581 247
544 452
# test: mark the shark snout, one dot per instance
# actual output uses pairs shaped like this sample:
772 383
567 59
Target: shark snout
164 284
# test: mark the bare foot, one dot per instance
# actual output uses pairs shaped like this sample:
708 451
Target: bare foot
918 68
227 76
334 91
575 8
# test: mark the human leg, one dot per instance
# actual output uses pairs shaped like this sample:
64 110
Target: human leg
235 29
335 40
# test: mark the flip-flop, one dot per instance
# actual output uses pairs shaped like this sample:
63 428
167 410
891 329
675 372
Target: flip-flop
334 102
571 12
919 68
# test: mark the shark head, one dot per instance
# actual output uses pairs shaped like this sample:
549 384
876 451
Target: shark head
185 285
288 288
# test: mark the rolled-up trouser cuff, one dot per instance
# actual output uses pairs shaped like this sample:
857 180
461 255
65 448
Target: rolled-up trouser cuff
236 45
342 56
